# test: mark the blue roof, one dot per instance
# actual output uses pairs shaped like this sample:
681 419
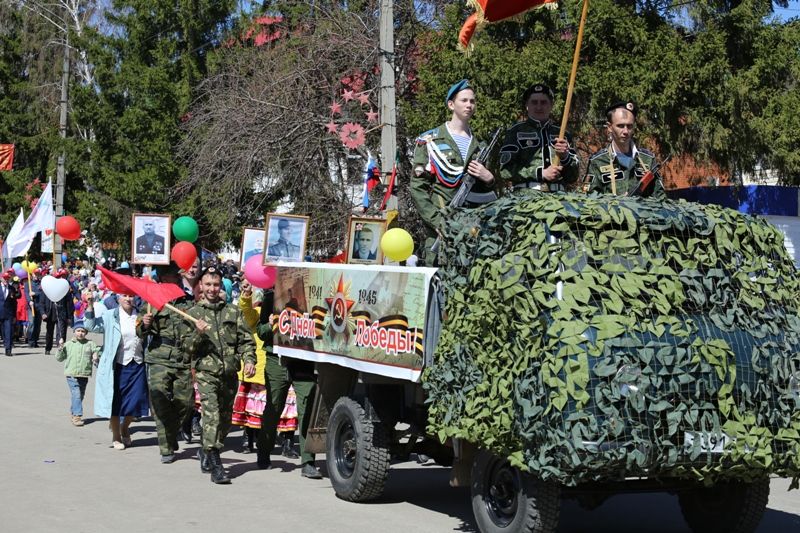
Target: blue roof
749 199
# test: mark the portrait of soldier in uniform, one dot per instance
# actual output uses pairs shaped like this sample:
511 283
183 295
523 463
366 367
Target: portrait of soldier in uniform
286 237
364 237
151 239
252 243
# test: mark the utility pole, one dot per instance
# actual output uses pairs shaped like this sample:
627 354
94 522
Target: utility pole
62 131
387 100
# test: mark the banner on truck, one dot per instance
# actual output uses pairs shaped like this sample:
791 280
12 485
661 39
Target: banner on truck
363 317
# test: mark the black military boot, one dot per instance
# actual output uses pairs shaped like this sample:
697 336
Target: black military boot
218 474
205 465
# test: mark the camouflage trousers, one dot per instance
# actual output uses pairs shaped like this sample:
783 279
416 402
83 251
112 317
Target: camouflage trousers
171 399
217 393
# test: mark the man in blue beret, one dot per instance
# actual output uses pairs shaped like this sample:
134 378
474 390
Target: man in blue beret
530 148
621 167
442 157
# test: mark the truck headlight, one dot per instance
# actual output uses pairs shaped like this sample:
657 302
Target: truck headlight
628 379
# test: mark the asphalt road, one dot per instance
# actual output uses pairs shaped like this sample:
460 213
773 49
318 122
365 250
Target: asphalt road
57 477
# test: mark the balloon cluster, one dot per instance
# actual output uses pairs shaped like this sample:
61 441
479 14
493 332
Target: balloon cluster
186 232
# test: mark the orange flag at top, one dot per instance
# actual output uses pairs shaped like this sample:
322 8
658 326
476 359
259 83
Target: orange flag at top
6 156
487 11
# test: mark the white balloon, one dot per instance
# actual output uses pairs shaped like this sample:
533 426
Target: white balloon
54 288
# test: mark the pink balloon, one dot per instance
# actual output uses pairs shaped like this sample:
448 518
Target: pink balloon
259 275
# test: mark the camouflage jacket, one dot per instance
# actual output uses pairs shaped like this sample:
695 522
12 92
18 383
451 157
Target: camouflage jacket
227 343
438 169
528 149
598 174
163 337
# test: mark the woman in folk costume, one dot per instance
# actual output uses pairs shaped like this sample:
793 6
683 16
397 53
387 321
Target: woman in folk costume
442 157
251 396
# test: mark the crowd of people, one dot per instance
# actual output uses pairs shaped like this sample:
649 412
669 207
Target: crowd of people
198 368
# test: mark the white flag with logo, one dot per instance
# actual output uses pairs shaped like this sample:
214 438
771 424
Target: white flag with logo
42 218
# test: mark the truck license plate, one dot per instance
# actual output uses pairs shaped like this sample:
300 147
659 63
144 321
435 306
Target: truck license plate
709 442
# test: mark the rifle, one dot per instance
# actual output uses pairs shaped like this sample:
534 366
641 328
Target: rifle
648 178
468 180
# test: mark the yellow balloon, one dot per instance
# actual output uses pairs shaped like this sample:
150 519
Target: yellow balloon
397 244
29 266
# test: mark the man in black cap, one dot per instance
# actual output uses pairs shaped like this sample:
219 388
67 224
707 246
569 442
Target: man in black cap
622 168
530 148
169 375
283 247
442 157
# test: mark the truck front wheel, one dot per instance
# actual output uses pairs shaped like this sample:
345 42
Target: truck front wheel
733 507
357 452
505 500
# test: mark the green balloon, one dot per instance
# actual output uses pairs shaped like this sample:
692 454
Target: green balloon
185 229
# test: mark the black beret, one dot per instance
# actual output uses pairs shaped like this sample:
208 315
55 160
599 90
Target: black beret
630 106
538 88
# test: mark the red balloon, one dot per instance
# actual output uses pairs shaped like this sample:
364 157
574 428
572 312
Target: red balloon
184 254
68 228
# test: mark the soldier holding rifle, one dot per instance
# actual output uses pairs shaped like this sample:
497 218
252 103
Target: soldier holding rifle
621 167
443 157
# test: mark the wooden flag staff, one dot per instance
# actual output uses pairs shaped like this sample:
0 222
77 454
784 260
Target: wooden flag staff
573 74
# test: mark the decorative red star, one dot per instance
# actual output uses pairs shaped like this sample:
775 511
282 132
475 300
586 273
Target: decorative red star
340 292
336 108
363 98
332 127
347 95
372 116
352 135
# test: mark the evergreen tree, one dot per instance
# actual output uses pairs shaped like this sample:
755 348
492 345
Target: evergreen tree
146 68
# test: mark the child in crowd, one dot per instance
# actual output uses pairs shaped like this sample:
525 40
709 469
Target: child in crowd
79 354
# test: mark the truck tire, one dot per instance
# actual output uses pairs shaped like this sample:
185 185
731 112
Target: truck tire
734 507
505 500
357 452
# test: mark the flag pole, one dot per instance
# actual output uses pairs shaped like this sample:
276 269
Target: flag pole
573 74
30 288
185 315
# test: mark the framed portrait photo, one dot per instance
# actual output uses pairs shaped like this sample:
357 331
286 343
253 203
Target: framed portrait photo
286 238
150 239
364 240
253 240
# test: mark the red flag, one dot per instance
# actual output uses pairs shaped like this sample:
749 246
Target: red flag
6 156
487 11
156 294
389 188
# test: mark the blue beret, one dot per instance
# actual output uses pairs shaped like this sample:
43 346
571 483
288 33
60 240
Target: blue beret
457 88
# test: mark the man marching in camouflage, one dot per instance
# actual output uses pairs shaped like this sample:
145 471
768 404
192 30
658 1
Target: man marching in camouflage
169 375
530 146
622 159
217 343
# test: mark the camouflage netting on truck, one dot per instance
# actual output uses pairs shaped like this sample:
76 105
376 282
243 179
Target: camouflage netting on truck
590 338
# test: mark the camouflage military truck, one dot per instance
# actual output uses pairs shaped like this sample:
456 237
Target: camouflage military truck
590 345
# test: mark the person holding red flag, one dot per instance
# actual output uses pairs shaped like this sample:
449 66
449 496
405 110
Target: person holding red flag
219 341
169 374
